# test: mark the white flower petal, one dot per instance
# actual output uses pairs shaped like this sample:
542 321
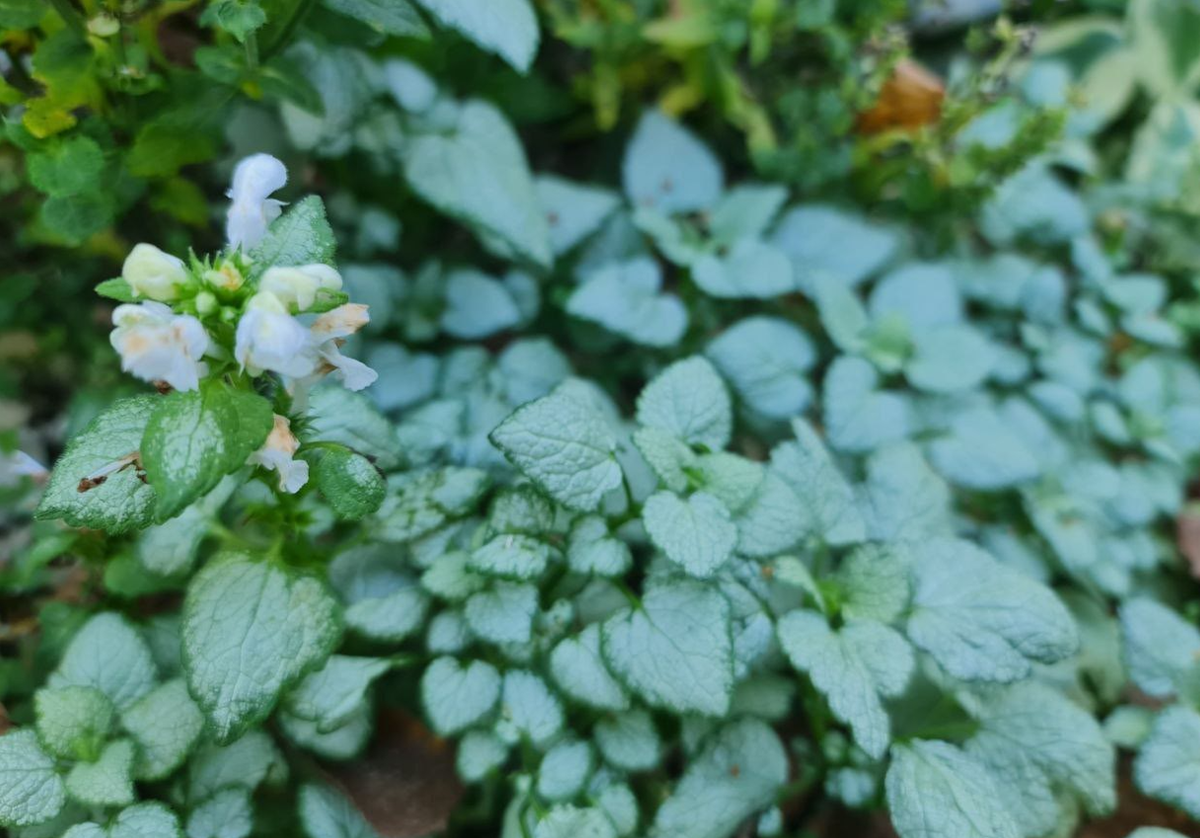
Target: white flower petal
251 210
156 345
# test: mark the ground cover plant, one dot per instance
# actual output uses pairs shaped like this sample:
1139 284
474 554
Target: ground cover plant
626 418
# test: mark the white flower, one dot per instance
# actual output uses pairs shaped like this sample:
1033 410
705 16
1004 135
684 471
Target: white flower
298 286
155 344
252 210
328 332
18 464
276 454
268 338
154 274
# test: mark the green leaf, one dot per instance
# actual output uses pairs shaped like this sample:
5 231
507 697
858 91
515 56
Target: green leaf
579 671
512 557
73 722
301 236
21 14
859 417
382 598
30 789
338 415
828 504
475 170
854 668
905 500
106 782
521 509
118 500
143 820
1160 648
342 743
504 614
194 439
981 620
738 773
1042 746
245 763
170 548
676 650
573 211
666 168
563 770
766 360
1168 765
935 790
592 549
564 447
626 299
749 270
529 705
332 695
949 358
326 813
389 17
227 814
573 822
629 741
66 167
873 583
249 630
351 484
983 452
508 28
166 724
479 753
696 534
825 241
689 400
108 654
456 697
477 305
1165 36
116 289
240 19
76 218
668 456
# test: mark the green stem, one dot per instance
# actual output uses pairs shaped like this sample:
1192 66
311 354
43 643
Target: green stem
252 53
70 16
299 11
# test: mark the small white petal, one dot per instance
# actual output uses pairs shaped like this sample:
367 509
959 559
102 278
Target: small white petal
341 322
354 374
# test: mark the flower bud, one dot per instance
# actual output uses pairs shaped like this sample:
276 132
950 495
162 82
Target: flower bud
154 274
206 303
297 287
225 277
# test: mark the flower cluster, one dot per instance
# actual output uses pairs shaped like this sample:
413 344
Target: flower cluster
287 320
